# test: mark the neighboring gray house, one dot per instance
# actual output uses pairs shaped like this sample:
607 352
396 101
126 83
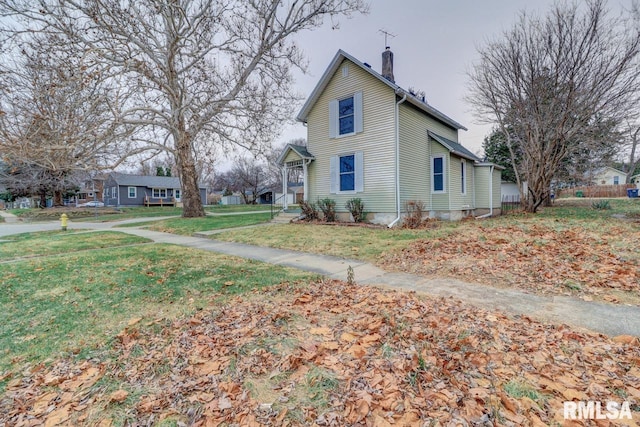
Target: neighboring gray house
137 190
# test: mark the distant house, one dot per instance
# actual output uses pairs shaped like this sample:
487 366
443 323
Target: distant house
368 138
295 194
91 190
138 190
608 176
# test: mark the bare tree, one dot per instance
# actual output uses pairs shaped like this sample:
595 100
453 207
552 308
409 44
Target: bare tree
247 177
549 82
205 72
56 116
632 145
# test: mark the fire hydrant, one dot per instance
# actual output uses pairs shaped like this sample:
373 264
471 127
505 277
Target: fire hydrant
63 221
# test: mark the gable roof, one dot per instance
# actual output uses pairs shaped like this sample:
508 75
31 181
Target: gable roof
605 168
333 67
300 150
454 147
149 181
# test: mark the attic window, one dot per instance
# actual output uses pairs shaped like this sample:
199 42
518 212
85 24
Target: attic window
345 70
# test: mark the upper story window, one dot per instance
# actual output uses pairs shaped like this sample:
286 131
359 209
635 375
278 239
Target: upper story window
345 116
616 180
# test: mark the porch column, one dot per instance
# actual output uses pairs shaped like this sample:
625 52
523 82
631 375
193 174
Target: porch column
284 187
305 181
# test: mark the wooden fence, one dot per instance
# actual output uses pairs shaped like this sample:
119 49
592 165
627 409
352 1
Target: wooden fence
595 191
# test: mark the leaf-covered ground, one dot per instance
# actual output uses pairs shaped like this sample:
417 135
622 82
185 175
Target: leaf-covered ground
562 260
332 354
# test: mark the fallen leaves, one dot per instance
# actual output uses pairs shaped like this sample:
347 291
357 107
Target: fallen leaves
333 354
532 257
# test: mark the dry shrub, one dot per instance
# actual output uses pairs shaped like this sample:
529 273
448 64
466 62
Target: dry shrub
415 210
309 211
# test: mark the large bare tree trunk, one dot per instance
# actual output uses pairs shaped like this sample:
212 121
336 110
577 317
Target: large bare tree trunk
192 203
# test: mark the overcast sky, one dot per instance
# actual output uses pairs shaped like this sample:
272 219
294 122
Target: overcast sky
436 43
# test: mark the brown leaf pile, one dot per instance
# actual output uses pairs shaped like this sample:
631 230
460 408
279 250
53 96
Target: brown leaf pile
333 354
535 258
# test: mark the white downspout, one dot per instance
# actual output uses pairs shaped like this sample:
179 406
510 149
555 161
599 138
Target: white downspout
398 208
490 195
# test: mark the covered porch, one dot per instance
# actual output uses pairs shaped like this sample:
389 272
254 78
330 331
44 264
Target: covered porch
294 157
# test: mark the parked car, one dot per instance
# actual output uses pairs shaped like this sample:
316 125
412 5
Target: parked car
92 204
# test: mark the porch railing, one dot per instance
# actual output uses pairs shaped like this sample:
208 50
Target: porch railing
275 207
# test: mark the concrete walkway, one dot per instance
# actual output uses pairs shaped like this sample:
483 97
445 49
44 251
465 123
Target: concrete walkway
605 318
9 218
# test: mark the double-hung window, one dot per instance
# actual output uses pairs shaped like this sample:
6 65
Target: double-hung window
345 116
131 192
438 180
347 173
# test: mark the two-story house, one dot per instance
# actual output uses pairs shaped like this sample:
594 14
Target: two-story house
369 138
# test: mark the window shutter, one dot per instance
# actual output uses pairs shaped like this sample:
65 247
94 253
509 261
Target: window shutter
359 175
333 118
357 112
335 174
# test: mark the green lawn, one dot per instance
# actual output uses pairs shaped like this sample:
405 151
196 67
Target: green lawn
188 226
79 293
117 214
236 208
369 244
59 242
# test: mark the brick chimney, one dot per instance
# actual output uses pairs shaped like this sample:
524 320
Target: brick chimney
387 64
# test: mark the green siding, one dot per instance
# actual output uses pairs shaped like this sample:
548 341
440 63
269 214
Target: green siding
460 201
440 201
292 156
377 141
482 187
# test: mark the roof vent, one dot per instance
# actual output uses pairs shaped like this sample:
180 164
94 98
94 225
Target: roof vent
387 65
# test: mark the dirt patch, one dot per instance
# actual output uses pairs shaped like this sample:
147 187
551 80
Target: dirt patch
536 258
333 354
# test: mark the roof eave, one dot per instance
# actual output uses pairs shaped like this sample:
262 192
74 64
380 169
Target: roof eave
333 67
326 76
491 164
432 111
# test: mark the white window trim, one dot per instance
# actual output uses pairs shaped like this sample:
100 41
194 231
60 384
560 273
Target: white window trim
334 172
334 120
463 176
177 191
135 192
444 175
160 191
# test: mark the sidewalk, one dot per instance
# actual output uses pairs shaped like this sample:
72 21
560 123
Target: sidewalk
8 217
608 319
